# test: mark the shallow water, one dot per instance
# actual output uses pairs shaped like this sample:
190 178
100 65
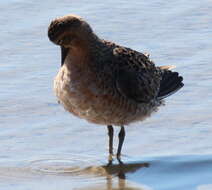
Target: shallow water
44 147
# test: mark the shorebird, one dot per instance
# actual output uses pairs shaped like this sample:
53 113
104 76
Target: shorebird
106 83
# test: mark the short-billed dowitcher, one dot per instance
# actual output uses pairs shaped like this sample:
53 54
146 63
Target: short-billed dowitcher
106 83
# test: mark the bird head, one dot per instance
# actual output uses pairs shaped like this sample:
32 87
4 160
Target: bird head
69 30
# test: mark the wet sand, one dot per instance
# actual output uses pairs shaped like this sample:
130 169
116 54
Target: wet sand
44 147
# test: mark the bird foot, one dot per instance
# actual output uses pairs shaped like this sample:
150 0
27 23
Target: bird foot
118 156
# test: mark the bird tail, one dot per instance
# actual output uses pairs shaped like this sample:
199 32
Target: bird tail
171 82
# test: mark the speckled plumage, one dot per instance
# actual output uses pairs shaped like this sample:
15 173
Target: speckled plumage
105 83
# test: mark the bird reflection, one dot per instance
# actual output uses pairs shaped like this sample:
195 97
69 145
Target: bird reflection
115 173
120 170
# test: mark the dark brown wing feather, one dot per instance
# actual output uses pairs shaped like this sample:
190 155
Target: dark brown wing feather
137 77
171 82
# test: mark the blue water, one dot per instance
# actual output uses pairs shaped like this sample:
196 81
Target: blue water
34 127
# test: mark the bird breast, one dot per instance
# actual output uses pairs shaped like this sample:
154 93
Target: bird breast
85 95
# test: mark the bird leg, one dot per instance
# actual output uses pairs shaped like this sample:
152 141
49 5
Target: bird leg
110 134
121 140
